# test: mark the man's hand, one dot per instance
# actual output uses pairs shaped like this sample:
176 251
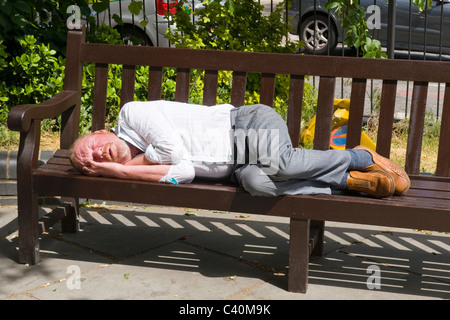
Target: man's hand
105 169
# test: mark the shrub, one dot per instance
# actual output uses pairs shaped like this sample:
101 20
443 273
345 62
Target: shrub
33 76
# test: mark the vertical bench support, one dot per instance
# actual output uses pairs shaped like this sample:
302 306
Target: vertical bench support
27 204
70 119
298 255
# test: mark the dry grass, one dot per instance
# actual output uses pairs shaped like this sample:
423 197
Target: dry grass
9 140
429 150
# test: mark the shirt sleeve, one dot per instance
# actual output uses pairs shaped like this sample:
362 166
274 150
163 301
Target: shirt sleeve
183 172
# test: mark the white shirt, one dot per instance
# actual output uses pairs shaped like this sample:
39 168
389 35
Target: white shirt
196 140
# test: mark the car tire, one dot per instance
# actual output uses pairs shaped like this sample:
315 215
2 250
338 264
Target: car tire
320 39
130 33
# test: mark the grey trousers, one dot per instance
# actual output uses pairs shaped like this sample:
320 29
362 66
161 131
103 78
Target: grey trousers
272 165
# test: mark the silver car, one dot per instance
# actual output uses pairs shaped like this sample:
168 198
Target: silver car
321 35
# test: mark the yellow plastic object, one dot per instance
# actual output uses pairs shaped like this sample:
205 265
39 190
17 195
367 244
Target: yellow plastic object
338 136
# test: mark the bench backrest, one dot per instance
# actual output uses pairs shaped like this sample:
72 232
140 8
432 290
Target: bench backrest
328 69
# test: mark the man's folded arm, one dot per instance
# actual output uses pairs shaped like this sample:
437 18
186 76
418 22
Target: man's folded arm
140 168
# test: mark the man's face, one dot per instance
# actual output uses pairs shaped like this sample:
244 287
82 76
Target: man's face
100 146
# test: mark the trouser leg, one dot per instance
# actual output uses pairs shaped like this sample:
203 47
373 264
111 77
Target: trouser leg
255 181
326 167
290 170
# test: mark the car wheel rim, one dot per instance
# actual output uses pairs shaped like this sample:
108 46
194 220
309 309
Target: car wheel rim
315 35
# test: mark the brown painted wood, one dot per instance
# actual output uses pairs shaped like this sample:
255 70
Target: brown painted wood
324 113
267 88
294 114
128 83
238 88
416 123
443 160
99 100
386 119
361 68
182 88
298 255
355 120
210 89
154 83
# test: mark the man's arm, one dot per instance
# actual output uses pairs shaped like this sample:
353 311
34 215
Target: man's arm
116 170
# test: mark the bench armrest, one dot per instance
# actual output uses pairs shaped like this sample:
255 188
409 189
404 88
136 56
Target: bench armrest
20 117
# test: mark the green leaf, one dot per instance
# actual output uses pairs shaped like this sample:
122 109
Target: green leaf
231 7
331 5
135 7
143 23
117 19
100 6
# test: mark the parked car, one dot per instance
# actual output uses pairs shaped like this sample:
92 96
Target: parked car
150 25
321 34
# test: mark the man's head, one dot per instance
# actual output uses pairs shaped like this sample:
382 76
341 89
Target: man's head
100 146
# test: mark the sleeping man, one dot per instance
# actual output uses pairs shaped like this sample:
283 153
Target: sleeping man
174 142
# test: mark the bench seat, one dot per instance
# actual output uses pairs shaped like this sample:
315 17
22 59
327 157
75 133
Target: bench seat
426 205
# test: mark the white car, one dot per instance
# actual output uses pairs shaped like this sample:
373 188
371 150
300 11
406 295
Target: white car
150 25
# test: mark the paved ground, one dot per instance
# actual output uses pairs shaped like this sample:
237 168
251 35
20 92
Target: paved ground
137 252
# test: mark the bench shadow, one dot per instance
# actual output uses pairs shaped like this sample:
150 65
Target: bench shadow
217 244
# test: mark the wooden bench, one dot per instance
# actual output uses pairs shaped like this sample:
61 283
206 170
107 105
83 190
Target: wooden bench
425 206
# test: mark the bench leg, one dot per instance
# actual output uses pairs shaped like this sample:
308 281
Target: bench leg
28 220
298 255
70 223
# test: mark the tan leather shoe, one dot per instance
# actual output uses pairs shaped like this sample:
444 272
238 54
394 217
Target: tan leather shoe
401 179
375 183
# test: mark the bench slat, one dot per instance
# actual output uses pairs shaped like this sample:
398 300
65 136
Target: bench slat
210 88
424 193
355 120
386 119
416 123
99 99
294 113
443 159
430 183
429 71
324 113
267 88
182 86
154 83
128 82
238 88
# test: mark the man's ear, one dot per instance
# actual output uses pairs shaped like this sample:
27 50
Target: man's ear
101 131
